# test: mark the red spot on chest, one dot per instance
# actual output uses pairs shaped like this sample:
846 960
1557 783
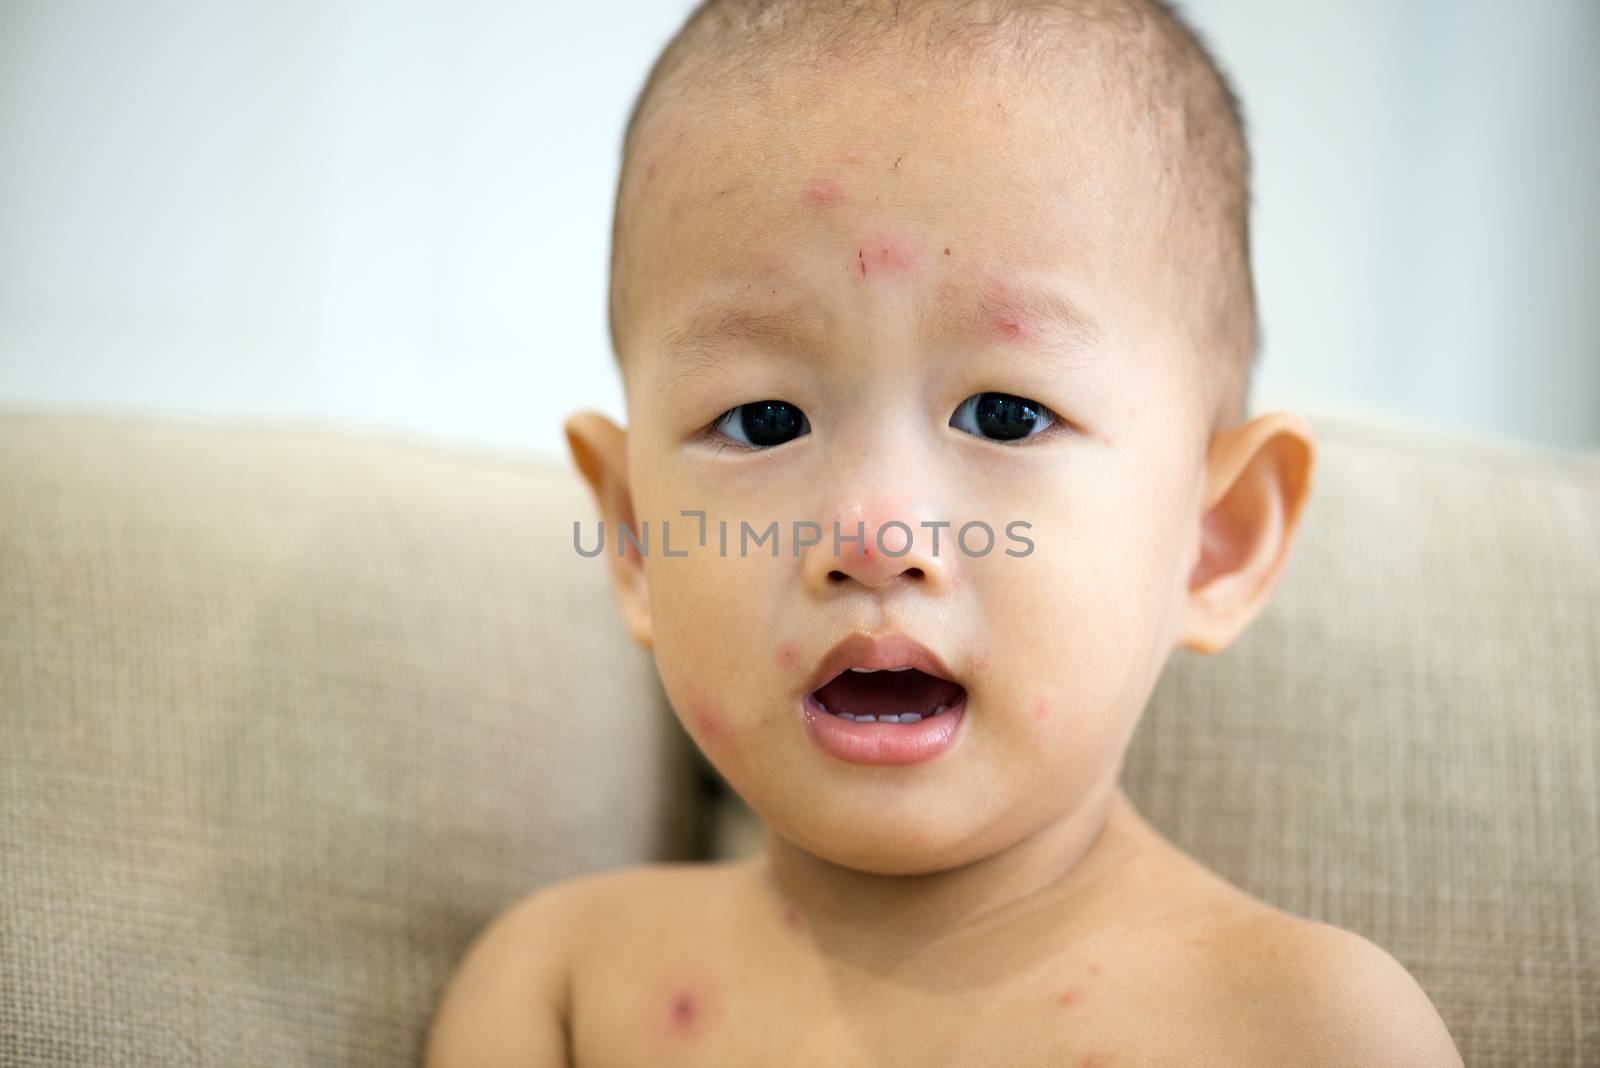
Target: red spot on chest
821 193
685 1011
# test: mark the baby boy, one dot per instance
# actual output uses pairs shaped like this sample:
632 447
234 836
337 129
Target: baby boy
949 304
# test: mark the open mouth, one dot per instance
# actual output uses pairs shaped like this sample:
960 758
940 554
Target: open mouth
895 695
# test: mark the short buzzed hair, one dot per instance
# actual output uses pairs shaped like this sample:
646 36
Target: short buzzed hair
1177 85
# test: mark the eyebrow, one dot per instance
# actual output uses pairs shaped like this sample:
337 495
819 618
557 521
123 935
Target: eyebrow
1027 315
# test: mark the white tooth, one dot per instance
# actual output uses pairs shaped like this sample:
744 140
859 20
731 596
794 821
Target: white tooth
910 717
846 715
866 719
906 668
864 671
937 710
889 719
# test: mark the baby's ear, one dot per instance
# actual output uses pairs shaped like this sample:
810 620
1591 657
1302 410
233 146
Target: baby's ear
1258 478
600 451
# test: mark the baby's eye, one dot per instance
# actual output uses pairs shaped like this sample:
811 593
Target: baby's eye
1002 417
763 424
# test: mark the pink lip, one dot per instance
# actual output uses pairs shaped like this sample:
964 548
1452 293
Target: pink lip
878 654
881 743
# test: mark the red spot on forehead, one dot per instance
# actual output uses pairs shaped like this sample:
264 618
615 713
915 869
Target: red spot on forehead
1007 319
821 193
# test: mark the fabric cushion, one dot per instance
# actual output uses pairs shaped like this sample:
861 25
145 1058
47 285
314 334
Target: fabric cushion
1405 743
287 716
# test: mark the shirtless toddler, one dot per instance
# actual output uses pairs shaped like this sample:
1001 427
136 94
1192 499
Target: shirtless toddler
886 277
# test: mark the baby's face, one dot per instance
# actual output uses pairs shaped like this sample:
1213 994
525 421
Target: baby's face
878 250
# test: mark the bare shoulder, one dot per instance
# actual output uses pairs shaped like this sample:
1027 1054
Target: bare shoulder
508 999
1321 995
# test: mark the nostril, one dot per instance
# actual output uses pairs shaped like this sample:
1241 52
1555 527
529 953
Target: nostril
914 572
837 576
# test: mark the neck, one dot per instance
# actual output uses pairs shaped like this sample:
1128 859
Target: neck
881 921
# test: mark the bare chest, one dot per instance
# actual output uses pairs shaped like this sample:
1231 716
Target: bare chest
768 1004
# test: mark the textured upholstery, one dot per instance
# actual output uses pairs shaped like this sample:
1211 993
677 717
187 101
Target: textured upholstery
285 717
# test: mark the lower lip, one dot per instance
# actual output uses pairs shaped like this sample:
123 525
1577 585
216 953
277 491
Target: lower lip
882 743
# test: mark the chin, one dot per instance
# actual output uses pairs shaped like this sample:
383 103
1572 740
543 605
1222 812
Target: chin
888 847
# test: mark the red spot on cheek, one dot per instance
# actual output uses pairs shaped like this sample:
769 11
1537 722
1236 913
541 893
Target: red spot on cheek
708 719
821 193
1071 997
788 654
1041 710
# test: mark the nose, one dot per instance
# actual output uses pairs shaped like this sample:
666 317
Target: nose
876 548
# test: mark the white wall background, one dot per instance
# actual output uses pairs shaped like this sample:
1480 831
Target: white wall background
397 215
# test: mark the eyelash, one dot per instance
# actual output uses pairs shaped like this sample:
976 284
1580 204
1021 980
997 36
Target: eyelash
1058 424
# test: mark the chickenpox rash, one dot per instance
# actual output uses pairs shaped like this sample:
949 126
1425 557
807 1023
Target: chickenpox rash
789 653
1041 710
821 193
791 916
1071 997
1095 1060
1094 968
686 1012
1007 322
708 720
888 254
853 157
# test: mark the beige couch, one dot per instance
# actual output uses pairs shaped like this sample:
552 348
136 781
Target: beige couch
287 714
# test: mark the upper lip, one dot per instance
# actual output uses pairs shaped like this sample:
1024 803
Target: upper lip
883 653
